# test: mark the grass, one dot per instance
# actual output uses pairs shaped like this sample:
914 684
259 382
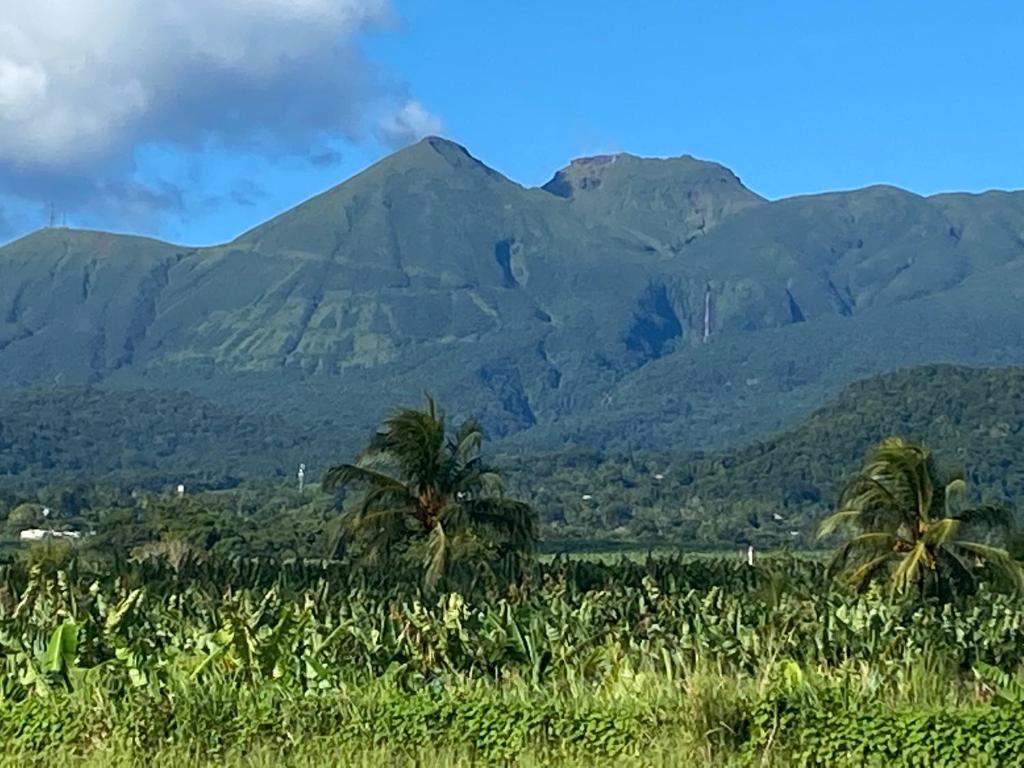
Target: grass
320 752
697 716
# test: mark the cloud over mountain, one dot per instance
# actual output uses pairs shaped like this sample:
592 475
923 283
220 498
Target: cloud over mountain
410 123
85 83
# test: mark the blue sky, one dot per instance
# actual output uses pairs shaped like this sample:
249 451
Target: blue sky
795 97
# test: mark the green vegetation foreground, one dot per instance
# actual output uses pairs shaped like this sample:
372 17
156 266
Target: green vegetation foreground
434 637
665 661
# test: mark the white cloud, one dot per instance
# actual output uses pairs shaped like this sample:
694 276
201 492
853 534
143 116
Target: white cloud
84 83
410 123
84 79
21 86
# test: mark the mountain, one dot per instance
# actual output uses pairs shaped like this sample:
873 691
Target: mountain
628 303
807 294
666 203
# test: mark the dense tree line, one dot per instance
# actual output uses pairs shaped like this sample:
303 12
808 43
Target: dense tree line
973 420
139 438
61 448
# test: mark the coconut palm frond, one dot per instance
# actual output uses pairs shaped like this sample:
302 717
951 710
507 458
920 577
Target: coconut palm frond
342 475
955 489
436 556
838 520
910 570
455 517
515 520
391 497
991 517
467 441
866 489
462 458
377 533
999 559
906 471
875 541
951 562
415 441
377 517
864 573
882 503
865 545
478 482
942 531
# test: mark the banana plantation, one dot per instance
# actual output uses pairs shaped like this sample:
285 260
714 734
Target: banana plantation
655 661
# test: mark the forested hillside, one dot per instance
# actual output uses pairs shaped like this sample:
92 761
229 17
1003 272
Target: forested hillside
137 439
972 418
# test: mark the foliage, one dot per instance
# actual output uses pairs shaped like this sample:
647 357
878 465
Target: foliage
441 497
828 732
710 658
973 419
581 663
909 526
126 441
138 438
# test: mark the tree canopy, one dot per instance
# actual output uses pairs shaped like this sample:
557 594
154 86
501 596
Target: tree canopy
428 494
910 528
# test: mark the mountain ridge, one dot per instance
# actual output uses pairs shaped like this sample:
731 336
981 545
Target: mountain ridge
650 291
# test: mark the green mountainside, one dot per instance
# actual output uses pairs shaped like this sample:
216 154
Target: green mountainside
761 493
628 304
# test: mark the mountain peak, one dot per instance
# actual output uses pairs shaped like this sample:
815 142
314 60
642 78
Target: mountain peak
441 144
594 161
428 150
590 172
667 200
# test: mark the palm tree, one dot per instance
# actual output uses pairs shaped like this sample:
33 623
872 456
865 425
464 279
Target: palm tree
428 492
909 527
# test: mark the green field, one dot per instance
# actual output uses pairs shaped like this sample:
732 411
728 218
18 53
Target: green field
667 660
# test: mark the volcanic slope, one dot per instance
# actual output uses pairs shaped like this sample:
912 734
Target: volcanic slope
629 302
